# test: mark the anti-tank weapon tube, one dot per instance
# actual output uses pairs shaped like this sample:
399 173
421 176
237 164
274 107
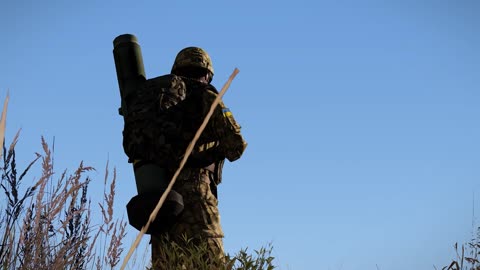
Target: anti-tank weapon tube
129 65
151 179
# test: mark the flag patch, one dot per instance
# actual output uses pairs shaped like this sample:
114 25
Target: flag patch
226 112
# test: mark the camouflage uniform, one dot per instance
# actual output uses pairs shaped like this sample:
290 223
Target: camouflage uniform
197 182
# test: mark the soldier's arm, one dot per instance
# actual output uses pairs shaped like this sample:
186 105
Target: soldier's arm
227 130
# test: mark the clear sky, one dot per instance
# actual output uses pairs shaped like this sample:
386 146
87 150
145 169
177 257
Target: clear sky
361 116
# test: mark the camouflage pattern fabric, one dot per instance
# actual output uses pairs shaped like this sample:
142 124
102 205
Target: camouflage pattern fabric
152 130
200 219
221 138
193 57
160 122
165 114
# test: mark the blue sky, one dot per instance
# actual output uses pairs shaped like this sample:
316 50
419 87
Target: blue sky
361 116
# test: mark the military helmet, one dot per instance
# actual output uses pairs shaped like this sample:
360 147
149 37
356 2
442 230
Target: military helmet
193 57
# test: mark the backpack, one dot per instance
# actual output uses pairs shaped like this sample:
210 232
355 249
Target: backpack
153 122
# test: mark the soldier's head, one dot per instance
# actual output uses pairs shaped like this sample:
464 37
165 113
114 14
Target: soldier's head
195 63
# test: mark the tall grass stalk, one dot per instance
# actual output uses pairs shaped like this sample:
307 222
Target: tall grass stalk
49 225
3 120
468 254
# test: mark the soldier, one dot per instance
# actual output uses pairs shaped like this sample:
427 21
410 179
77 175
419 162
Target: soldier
197 182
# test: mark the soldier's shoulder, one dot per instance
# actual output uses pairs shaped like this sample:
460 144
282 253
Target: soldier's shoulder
212 88
209 93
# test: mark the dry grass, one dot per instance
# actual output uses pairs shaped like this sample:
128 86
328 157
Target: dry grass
468 255
48 226
3 120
